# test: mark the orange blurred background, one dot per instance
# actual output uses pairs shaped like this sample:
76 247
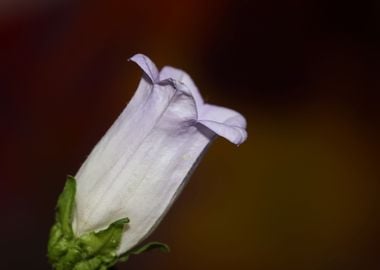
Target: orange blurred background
301 193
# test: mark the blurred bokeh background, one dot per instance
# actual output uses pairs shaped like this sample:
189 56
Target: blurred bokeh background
301 193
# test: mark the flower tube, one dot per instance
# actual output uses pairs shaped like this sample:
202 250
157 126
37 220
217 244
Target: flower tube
143 161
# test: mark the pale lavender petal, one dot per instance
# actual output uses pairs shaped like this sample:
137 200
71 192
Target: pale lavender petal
147 65
224 122
158 150
119 143
222 115
182 81
148 103
234 134
143 187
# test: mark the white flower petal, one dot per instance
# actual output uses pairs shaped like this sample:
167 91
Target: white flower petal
143 186
155 186
121 141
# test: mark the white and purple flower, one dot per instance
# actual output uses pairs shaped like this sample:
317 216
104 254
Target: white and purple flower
141 164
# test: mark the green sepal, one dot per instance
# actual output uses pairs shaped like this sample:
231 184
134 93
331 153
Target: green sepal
104 241
65 206
61 232
92 250
146 247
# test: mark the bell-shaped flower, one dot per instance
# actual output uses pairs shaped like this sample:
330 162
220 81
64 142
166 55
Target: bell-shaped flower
143 161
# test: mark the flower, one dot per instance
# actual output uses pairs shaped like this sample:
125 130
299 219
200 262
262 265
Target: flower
143 161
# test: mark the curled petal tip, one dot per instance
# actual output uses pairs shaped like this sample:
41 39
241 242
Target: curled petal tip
232 133
225 122
183 82
147 66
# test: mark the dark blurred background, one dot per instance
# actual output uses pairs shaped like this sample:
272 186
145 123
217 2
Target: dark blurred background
301 193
